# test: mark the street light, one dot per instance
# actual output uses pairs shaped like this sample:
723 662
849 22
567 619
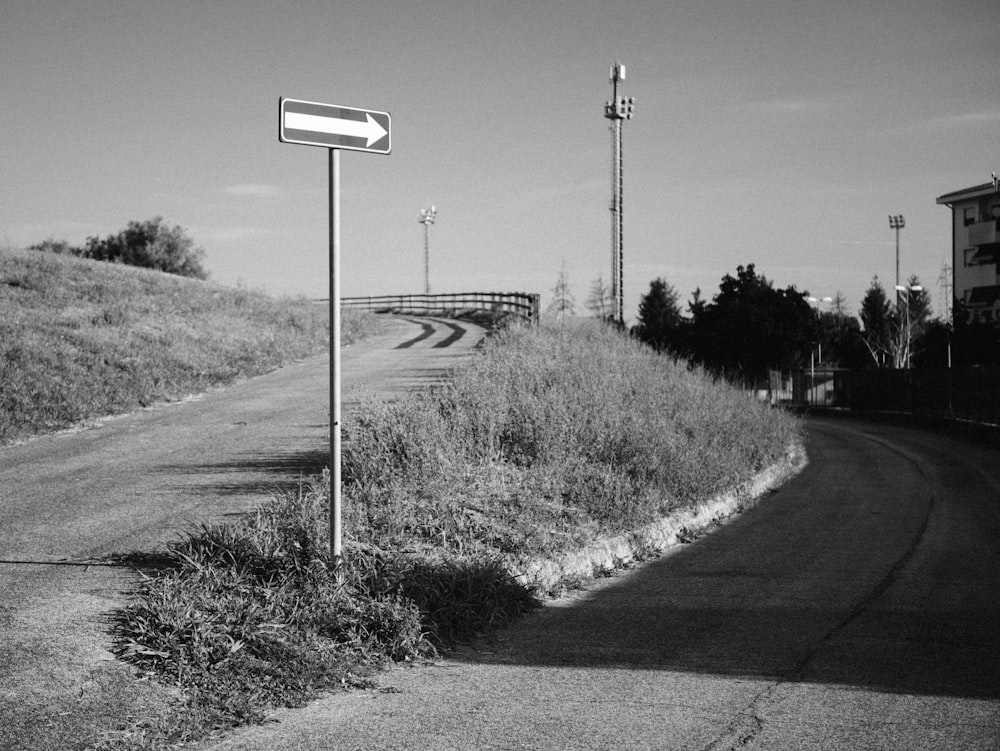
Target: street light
618 109
427 217
819 344
908 289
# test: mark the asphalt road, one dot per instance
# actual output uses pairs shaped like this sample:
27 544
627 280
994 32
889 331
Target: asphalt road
856 608
136 481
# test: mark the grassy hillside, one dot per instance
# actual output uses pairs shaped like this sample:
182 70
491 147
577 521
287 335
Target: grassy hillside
81 339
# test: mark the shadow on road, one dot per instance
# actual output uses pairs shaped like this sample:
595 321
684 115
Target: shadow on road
429 329
840 602
254 473
623 625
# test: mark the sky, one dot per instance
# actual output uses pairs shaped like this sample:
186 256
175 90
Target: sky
776 133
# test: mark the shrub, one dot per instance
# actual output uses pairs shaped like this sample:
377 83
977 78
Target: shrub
151 244
55 246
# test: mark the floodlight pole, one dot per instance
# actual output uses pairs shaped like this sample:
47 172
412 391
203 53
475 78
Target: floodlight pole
336 531
897 223
427 217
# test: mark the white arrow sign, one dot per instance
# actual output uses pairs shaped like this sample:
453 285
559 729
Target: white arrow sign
369 129
334 126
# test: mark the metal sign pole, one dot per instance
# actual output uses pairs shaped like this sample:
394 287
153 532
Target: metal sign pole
334 127
336 533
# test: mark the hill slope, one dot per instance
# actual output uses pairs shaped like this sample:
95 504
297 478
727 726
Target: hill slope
81 339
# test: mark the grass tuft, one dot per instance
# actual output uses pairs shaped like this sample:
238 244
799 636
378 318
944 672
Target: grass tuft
249 616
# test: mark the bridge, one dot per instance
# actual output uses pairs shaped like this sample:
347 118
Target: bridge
498 304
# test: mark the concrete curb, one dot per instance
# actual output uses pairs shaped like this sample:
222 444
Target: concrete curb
610 553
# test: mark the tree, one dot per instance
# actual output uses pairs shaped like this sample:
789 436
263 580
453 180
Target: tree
599 302
838 305
839 336
660 319
876 317
913 310
697 304
563 302
150 244
751 327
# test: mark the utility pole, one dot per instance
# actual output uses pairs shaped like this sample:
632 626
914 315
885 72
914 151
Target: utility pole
618 109
427 217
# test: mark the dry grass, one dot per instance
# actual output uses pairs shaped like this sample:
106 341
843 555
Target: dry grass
552 437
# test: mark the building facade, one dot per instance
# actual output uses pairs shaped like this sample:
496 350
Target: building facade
975 249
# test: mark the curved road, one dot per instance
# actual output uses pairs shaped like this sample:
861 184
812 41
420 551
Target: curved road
858 607
133 482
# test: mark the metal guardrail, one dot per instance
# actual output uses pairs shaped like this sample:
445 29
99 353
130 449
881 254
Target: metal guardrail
961 400
967 394
522 304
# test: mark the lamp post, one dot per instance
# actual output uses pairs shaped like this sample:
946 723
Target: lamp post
427 217
819 344
618 109
907 290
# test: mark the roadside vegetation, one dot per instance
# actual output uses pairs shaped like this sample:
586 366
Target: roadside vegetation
82 339
550 439
151 244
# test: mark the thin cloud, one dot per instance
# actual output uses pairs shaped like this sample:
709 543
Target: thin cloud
989 117
224 235
256 190
23 234
789 106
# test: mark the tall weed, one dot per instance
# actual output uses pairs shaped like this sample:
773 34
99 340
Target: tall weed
591 428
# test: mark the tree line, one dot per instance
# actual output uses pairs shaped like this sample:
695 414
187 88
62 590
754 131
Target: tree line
751 326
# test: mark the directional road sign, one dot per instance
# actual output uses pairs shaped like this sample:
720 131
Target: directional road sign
333 126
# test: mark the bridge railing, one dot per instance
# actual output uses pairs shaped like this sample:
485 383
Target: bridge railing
522 304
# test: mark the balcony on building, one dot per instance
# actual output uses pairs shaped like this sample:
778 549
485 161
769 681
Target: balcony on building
984 233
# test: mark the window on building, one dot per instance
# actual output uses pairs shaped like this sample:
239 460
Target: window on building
969 216
970 257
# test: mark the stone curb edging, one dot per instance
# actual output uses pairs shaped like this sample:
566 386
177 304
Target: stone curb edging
610 553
